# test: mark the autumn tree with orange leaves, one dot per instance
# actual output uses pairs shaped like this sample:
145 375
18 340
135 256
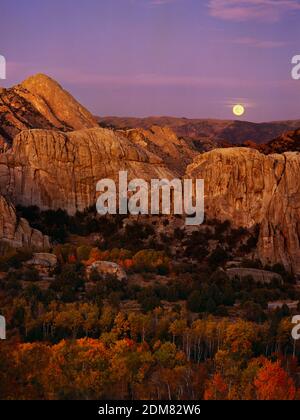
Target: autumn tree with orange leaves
273 383
216 389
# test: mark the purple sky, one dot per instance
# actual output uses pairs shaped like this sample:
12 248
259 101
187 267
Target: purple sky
192 58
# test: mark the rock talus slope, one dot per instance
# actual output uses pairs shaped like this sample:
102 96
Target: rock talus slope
249 188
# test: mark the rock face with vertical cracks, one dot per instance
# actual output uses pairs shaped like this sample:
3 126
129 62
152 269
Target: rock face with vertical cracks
55 170
16 231
249 188
176 152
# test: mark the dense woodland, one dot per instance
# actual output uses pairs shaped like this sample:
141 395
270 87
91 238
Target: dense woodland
177 328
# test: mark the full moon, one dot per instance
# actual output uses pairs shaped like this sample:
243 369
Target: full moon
238 110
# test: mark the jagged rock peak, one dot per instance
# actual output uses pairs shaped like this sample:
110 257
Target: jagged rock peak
59 102
39 102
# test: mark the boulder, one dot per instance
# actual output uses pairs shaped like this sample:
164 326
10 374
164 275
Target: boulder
17 231
44 260
259 276
44 263
106 268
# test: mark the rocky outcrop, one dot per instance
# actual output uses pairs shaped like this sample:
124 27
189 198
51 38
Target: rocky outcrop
56 104
17 114
287 142
176 152
249 188
44 263
280 228
107 268
44 260
55 170
39 102
17 232
258 276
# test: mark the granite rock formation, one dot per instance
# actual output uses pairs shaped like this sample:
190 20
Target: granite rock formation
56 104
176 152
55 170
39 102
259 276
107 268
17 232
44 162
249 188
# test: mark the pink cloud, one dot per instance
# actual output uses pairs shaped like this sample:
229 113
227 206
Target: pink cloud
257 43
242 10
160 2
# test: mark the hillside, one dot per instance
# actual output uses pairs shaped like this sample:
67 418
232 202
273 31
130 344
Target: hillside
208 133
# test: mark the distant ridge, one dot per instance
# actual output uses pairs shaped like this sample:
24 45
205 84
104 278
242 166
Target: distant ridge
209 132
